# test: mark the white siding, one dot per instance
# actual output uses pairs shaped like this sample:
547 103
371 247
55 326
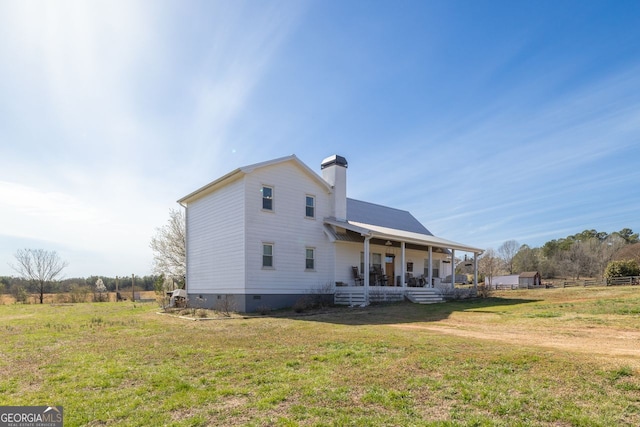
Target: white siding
288 230
215 241
347 256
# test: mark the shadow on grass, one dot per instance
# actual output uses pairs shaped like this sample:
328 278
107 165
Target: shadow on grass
403 312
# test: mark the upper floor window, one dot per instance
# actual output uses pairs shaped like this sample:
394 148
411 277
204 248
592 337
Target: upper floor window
267 255
310 259
310 207
267 198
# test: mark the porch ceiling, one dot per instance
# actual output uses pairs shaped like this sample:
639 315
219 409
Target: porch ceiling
386 233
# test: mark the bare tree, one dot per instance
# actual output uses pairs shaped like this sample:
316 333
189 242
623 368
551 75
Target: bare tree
169 246
508 251
489 264
631 251
39 266
576 261
606 252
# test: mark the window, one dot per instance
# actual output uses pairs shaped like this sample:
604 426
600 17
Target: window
267 255
375 260
435 268
310 207
310 259
409 267
267 198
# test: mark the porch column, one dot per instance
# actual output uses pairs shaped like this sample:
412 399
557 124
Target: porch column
430 267
366 267
475 270
404 266
453 268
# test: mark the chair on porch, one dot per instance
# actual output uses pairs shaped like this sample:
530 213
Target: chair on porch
381 278
411 281
357 277
422 281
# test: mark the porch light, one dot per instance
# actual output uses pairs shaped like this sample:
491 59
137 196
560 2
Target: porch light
388 243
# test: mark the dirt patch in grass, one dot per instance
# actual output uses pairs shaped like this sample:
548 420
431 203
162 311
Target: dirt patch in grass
602 342
585 321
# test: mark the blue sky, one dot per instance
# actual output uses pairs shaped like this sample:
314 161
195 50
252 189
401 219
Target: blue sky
488 120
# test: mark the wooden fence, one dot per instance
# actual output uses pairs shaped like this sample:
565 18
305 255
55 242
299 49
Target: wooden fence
614 281
630 280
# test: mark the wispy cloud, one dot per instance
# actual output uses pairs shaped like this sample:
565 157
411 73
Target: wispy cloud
114 101
517 172
111 110
233 60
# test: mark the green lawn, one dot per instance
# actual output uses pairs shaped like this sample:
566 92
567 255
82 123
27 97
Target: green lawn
520 358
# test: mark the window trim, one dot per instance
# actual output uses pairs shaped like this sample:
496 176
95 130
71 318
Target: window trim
313 258
306 206
263 255
263 198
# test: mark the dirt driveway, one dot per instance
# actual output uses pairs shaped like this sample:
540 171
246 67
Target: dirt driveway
611 345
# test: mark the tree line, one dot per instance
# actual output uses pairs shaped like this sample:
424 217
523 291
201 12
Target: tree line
586 254
20 287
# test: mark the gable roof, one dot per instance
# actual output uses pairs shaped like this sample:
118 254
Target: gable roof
244 170
383 222
362 217
529 274
383 216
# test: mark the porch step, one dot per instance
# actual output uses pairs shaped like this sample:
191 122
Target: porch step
424 296
354 296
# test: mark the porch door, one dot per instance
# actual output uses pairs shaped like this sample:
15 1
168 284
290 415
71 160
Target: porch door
389 263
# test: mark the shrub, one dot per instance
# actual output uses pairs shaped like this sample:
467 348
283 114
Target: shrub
300 305
484 291
264 310
202 313
62 298
226 305
19 293
318 297
622 269
78 293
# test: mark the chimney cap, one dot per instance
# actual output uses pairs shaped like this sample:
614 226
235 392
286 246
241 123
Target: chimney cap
334 160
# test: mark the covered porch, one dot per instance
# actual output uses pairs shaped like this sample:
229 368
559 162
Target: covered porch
375 263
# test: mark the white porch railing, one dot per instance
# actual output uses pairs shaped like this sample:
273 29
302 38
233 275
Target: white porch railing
356 295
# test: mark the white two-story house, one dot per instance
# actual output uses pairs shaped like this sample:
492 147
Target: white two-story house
273 232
